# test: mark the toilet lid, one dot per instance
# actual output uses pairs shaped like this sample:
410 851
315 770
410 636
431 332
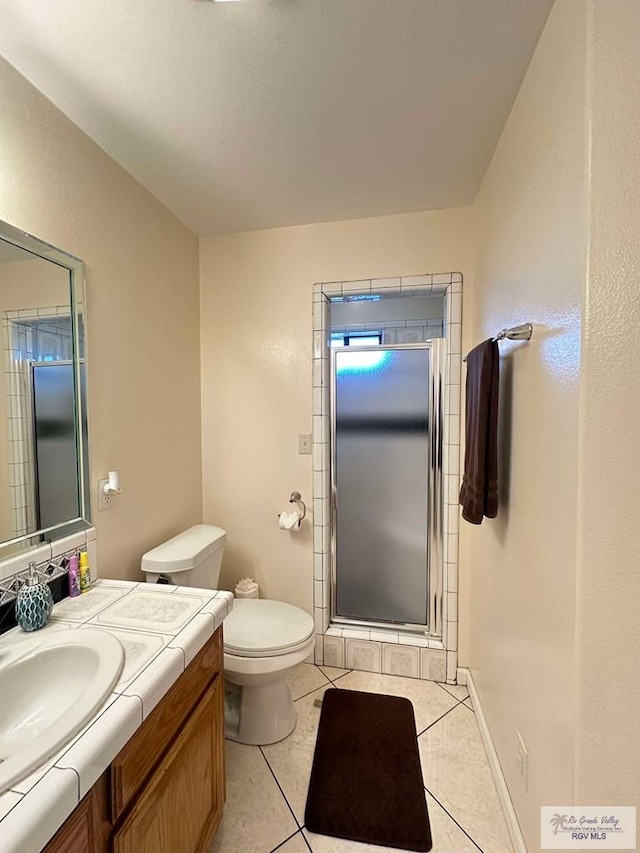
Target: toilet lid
259 627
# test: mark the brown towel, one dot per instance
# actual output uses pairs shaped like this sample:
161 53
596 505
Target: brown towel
479 492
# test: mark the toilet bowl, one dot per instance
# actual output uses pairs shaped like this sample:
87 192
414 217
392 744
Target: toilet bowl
263 640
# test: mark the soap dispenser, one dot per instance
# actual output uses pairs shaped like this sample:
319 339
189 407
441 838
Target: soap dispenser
34 602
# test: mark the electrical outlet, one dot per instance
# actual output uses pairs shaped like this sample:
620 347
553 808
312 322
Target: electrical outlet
523 761
304 443
104 501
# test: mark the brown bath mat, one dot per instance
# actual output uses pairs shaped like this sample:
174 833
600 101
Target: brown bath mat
366 782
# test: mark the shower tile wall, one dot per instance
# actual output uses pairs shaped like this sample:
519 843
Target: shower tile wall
378 650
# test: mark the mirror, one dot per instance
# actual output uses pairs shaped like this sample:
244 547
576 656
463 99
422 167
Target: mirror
43 424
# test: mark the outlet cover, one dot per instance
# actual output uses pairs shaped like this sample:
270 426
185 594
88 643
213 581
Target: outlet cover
104 501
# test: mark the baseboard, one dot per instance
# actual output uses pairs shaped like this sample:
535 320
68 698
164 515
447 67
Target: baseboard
496 771
461 675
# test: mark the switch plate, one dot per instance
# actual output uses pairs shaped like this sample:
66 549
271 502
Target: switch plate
104 501
304 443
523 761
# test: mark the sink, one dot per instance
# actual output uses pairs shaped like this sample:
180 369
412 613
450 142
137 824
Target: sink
51 685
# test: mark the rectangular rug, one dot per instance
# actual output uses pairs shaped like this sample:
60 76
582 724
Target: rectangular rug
366 781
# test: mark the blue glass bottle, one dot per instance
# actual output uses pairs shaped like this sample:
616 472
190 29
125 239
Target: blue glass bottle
34 602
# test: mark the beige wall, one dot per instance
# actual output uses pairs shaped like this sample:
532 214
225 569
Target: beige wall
143 326
608 733
33 283
531 214
256 363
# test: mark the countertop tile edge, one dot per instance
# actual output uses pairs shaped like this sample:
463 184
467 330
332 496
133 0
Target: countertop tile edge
91 754
156 679
36 818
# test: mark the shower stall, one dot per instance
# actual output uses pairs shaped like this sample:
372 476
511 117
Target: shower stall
386 486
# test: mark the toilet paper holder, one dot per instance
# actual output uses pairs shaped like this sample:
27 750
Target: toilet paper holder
296 498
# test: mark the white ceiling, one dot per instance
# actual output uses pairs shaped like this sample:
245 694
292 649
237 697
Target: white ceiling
264 113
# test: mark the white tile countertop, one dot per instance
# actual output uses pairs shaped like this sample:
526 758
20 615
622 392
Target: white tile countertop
161 628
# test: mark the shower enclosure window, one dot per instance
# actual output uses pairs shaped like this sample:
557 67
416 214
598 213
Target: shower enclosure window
386 485
356 340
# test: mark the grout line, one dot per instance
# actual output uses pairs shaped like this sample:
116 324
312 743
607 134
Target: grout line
309 692
321 687
22 796
441 717
84 733
304 838
75 770
282 843
431 794
338 677
129 684
279 787
333 680
102 609
146 665
450 693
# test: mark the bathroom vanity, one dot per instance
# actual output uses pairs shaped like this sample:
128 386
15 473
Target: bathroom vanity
165 789
146 775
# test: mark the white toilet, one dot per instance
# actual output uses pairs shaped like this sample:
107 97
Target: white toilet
263 640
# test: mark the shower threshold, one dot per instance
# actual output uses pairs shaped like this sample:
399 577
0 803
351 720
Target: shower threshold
384 634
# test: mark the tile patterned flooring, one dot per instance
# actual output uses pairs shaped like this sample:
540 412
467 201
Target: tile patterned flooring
267 786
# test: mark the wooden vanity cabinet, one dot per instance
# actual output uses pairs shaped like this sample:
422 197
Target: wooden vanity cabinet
87 829
165 791
182 803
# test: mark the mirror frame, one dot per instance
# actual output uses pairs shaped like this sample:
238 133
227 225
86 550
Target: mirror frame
75 266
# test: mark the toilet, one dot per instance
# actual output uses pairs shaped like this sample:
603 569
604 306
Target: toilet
263 640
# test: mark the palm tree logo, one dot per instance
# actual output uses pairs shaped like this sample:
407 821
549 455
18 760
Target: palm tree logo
557 822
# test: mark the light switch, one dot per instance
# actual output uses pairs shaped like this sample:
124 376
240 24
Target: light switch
304 443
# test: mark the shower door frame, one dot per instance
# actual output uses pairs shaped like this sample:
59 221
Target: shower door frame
434 485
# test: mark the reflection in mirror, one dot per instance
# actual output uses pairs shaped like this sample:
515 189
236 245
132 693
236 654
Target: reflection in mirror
42 409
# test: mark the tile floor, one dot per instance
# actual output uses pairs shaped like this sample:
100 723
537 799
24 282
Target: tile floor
267 786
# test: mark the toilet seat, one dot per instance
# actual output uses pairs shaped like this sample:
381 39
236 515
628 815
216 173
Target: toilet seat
259 628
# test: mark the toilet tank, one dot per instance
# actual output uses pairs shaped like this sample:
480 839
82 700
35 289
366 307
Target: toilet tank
192 558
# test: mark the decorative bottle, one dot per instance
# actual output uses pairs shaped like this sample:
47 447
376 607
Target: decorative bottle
85 572
34 602
74 577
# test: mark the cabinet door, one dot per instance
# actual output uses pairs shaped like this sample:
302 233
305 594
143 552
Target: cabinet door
87 829
181 807
134 765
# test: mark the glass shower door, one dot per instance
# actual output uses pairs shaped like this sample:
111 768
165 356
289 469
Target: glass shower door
55 442
382 483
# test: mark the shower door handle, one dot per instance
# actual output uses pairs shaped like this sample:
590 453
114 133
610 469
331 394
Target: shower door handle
334 512
333 524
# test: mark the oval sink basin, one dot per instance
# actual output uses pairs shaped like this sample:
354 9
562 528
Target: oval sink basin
51 685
